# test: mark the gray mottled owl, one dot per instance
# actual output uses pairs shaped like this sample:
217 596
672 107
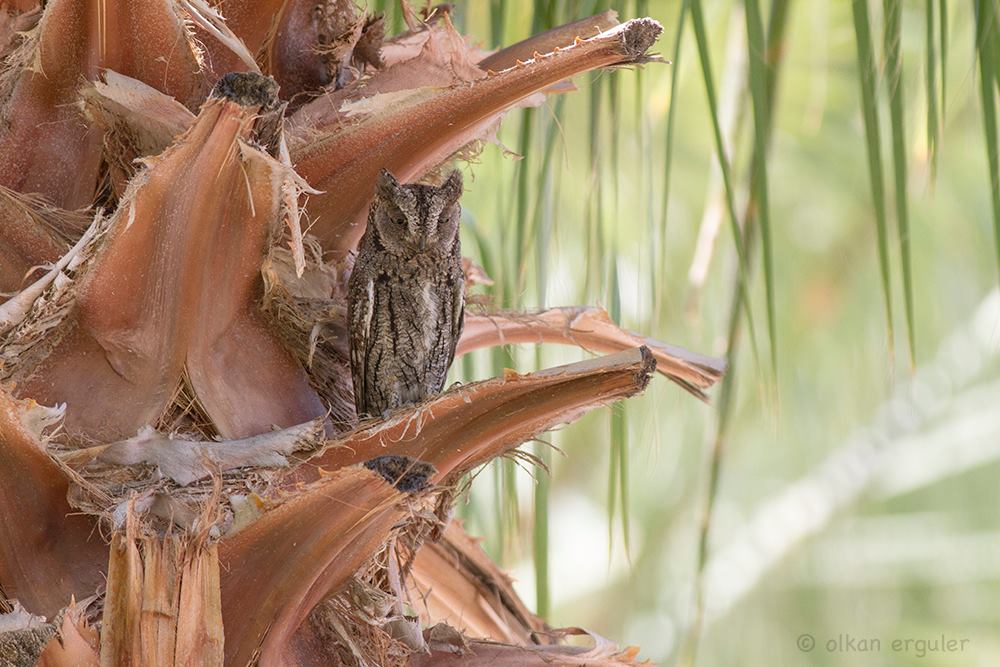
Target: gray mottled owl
406 296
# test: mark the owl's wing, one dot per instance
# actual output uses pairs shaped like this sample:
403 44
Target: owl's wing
361 297
457 311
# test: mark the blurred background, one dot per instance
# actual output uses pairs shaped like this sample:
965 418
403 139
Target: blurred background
852 492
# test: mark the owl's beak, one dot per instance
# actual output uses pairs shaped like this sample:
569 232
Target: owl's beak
423 243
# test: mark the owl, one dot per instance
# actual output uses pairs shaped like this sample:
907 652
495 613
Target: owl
406 296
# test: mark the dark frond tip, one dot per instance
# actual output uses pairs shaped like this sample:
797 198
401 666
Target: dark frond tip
646 368
405 473
247 89
638 35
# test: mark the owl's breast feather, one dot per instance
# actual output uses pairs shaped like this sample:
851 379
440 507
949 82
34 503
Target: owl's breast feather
432 322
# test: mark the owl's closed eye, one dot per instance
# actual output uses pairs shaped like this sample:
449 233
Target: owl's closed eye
411 219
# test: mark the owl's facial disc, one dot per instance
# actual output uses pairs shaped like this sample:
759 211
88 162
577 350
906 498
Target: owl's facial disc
447 224
392 226
441 212
412 219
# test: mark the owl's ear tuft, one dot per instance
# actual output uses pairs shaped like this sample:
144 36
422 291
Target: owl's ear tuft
386 183
452 187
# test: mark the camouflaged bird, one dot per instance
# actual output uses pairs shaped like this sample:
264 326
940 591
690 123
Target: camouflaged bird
406 296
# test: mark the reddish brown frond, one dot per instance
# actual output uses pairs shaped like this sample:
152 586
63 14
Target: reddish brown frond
172 293
16 18
75 644
136 120
414 132
469 425
447 647
442 59
47 146
277 569
26 240
304 45
49 553
253 21
454 581
591 329
548 41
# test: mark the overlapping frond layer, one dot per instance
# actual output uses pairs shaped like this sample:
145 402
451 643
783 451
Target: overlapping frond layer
172 292
47 146
254 21
136 120
304 45
278 569
413 132
189 392
454 581
440 59
470 425
75 644
47 553
26 240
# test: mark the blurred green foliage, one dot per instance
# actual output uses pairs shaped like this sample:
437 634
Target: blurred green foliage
580 220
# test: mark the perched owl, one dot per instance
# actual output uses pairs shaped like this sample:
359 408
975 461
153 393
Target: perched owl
406 296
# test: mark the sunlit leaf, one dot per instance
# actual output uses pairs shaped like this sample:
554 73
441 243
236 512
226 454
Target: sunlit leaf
776 35
986 45
724 160
943 35
761 205
668 158
933 125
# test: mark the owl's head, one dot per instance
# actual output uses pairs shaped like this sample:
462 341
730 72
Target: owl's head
416 219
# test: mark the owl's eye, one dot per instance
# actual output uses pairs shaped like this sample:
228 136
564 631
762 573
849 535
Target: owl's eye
396 216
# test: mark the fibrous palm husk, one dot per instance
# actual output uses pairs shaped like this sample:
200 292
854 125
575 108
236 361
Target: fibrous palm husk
48 148
35 235
48 553
481 603
117 362
23 636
